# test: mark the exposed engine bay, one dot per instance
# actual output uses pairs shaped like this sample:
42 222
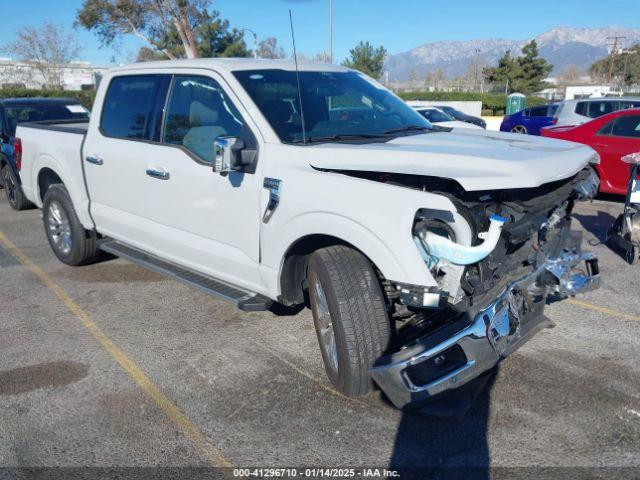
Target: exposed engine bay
514 232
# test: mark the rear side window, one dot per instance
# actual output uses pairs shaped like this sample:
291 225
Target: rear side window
128 106
626 126
539 111
581 108
597 109
39 113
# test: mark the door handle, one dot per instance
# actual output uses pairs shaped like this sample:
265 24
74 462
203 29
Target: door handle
95 160
600 145
159 174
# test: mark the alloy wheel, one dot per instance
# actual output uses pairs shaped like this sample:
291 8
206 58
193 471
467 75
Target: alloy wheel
59 227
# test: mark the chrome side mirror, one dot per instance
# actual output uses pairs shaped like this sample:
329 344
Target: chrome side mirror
227 154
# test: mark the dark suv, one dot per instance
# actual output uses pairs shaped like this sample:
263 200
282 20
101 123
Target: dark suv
19 110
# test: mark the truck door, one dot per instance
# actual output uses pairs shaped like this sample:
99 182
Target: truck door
182 210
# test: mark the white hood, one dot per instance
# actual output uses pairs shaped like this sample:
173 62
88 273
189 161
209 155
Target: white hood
477 159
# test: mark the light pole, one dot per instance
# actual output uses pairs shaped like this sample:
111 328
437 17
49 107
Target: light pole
255 41
330 31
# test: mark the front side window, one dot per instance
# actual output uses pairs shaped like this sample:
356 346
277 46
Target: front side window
128 106
336 106
198 112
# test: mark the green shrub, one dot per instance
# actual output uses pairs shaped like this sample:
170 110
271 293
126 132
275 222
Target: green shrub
85 97
490 101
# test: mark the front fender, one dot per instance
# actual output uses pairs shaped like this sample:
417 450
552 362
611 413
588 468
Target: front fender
400 262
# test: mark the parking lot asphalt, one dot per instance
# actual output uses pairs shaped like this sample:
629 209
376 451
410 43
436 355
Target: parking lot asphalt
112 365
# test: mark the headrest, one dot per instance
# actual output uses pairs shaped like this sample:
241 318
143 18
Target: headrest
200 115
277 110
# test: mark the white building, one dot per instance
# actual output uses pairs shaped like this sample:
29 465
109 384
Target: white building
73 76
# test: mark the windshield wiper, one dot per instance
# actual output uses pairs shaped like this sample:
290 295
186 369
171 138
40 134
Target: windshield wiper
341 136
408 128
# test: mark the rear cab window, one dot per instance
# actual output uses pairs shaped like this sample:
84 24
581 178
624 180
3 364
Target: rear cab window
627 126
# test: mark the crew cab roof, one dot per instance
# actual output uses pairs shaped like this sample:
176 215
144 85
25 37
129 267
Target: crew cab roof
234 64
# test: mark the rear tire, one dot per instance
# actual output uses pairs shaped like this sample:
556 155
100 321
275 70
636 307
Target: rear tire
69 240
13 190
350 316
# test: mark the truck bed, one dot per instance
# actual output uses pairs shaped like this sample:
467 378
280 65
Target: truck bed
68 126
61 141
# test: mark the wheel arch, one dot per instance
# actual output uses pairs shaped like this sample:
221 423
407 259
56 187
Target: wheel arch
46 177
294 265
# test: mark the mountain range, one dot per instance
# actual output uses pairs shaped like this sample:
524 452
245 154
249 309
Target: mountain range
562 47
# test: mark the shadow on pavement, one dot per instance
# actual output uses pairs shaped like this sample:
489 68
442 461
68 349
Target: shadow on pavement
447 439
597 224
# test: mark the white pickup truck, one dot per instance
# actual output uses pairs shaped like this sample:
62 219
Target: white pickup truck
426 253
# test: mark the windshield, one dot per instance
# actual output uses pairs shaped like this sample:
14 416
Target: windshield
36 113
337 106
435 116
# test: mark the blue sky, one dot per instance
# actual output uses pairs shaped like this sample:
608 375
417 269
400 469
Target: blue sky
398 25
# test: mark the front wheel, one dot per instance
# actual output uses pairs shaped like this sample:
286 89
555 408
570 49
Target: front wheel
69 240
349 314
13 190
519 129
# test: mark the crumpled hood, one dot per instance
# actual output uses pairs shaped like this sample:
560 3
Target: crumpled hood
477 159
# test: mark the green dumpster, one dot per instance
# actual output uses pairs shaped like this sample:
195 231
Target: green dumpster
515 103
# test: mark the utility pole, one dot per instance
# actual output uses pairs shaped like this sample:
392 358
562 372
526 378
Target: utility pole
614 52
330 31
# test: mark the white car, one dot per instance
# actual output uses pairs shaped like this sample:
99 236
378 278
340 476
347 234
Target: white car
442 118
426 254
579 111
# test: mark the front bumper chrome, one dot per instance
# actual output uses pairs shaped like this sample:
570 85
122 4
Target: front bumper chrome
479 342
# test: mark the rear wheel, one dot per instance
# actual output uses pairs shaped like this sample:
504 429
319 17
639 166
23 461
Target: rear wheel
13 190
519 129
69 240
349 315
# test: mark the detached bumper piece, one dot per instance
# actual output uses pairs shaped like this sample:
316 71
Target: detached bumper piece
463 350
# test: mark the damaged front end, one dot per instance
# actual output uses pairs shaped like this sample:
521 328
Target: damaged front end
496 260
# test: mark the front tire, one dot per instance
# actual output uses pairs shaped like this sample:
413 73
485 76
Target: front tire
69 240
350 316
519 129
13 190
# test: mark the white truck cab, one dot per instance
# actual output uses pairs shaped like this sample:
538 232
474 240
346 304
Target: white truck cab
425 254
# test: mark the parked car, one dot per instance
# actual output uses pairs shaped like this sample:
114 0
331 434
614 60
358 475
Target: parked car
463 117
375 219
530 120
579 111
442 119
14 111
613 136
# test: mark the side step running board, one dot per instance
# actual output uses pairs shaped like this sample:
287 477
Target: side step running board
243 299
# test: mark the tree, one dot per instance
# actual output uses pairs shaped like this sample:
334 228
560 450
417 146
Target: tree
268 48
571 74
534 70
435 78
524 74
48 49
367 59
176 28
626 66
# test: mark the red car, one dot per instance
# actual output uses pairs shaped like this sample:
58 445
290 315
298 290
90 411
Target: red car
613 136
